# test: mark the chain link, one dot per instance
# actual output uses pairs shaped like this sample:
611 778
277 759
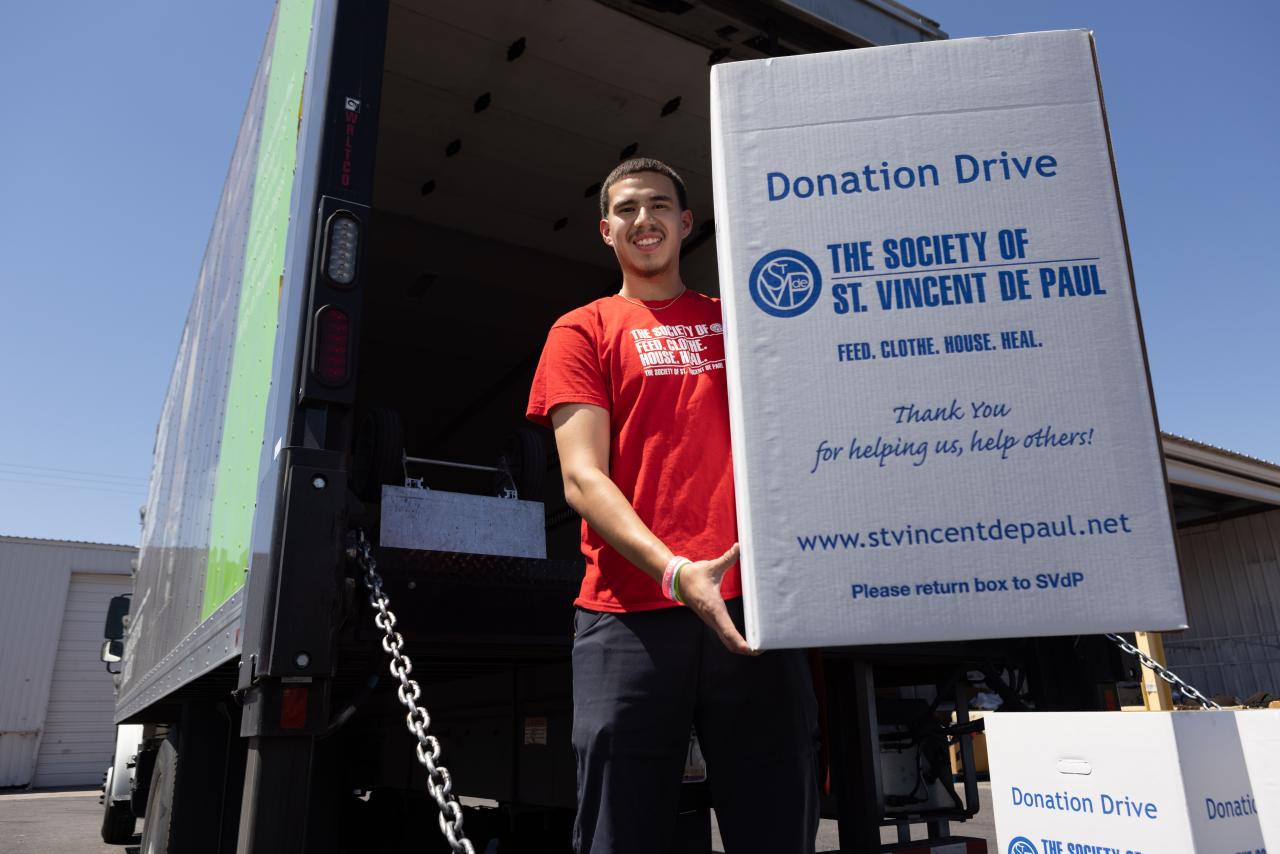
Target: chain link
1164 673
417 721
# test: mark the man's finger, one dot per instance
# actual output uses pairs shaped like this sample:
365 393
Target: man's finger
721 565
728 632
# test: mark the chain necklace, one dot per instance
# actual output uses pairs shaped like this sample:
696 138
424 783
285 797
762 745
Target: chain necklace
642 304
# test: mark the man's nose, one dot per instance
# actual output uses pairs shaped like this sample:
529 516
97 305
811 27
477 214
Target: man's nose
643 215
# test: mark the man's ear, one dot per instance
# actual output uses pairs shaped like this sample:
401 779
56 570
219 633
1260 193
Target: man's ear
605 234
686 223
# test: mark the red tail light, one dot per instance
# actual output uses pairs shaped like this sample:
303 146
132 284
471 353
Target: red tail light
332 360
293 707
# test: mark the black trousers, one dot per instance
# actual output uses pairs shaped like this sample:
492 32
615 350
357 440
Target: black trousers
640 681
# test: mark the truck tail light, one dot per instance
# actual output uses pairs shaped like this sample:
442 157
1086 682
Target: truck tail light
342 244
331 362
293 707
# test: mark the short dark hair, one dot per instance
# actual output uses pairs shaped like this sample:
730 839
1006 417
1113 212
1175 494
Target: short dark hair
641 164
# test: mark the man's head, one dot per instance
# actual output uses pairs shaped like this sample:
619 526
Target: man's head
641 164
644 216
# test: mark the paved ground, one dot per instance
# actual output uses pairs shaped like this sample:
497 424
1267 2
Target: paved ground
68 822
54 822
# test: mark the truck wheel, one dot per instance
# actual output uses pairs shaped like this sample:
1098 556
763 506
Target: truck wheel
117 818
378 456
157 832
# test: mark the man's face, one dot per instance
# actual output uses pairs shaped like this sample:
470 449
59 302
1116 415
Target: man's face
645 224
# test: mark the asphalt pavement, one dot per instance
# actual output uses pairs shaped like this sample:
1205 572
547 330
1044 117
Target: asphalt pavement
69 822
55 822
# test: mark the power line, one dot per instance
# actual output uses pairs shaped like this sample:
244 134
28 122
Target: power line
87 478
73 471
77 486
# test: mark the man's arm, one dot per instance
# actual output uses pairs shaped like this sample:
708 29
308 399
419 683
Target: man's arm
582 437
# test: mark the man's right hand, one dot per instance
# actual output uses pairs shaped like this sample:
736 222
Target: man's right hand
700 591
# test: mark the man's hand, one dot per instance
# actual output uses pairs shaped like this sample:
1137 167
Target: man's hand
700 590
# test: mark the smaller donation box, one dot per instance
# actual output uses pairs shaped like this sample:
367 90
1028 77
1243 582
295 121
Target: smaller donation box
942 418
1135 782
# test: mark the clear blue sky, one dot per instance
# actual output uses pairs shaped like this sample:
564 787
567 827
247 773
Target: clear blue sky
121 121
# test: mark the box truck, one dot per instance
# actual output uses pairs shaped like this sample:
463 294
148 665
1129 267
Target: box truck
411 203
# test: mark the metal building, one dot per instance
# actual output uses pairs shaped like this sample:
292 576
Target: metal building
1227 509
57 699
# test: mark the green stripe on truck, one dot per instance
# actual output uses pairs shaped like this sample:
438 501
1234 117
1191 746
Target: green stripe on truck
236 484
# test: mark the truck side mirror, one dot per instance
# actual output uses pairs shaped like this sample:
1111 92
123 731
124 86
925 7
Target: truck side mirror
116 612
112 651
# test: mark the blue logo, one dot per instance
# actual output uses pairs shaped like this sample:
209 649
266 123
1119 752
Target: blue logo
1022 845
785 283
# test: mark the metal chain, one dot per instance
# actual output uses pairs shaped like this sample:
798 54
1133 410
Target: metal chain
439 781
1164 673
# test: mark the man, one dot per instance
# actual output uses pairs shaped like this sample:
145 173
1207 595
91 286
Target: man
634 387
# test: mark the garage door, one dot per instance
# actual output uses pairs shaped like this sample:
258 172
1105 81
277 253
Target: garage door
78 734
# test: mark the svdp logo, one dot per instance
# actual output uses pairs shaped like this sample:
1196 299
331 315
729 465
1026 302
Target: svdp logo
785 283
1022 845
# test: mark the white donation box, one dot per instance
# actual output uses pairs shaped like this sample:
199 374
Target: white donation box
1135 782
942 418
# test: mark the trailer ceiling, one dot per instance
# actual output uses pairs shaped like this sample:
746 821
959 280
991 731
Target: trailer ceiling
500 118
498 121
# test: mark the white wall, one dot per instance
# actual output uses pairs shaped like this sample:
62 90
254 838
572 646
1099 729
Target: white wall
35 578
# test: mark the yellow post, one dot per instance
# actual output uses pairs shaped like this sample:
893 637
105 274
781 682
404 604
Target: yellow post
1155 691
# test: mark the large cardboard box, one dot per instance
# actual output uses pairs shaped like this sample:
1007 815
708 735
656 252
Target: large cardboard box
1151 782
942 419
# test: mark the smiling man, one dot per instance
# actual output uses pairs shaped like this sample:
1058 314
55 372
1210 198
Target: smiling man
634 387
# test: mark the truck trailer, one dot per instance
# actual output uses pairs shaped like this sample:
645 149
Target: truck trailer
411 203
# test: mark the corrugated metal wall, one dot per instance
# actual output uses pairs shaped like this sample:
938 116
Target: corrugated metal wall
1231 574
34 579
79 734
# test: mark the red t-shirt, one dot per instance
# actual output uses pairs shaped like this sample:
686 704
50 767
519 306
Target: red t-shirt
660 374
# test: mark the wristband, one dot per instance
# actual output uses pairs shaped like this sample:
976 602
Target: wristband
675 582
669 577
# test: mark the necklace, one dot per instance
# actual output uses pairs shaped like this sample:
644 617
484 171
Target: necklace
641 303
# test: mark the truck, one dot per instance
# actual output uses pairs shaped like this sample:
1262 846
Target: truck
409 206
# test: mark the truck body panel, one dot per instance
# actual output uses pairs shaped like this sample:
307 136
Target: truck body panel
209 462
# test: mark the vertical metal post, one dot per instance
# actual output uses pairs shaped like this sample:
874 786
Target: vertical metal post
855 756
966 752
277 787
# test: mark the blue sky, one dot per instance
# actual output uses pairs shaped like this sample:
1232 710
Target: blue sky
122 119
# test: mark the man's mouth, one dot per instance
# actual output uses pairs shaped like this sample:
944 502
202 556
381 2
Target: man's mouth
647 241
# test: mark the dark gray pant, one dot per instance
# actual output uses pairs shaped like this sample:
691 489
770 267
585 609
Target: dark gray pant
639 682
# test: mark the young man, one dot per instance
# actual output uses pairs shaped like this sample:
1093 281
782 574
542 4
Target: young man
634 387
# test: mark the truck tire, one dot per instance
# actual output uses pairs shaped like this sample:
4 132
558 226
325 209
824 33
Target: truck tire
117 819
157 830
378 457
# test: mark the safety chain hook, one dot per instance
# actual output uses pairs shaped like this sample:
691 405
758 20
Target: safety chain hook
1164 673
439 781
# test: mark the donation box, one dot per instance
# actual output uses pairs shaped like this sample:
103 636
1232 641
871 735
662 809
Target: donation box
942 417
1135 782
